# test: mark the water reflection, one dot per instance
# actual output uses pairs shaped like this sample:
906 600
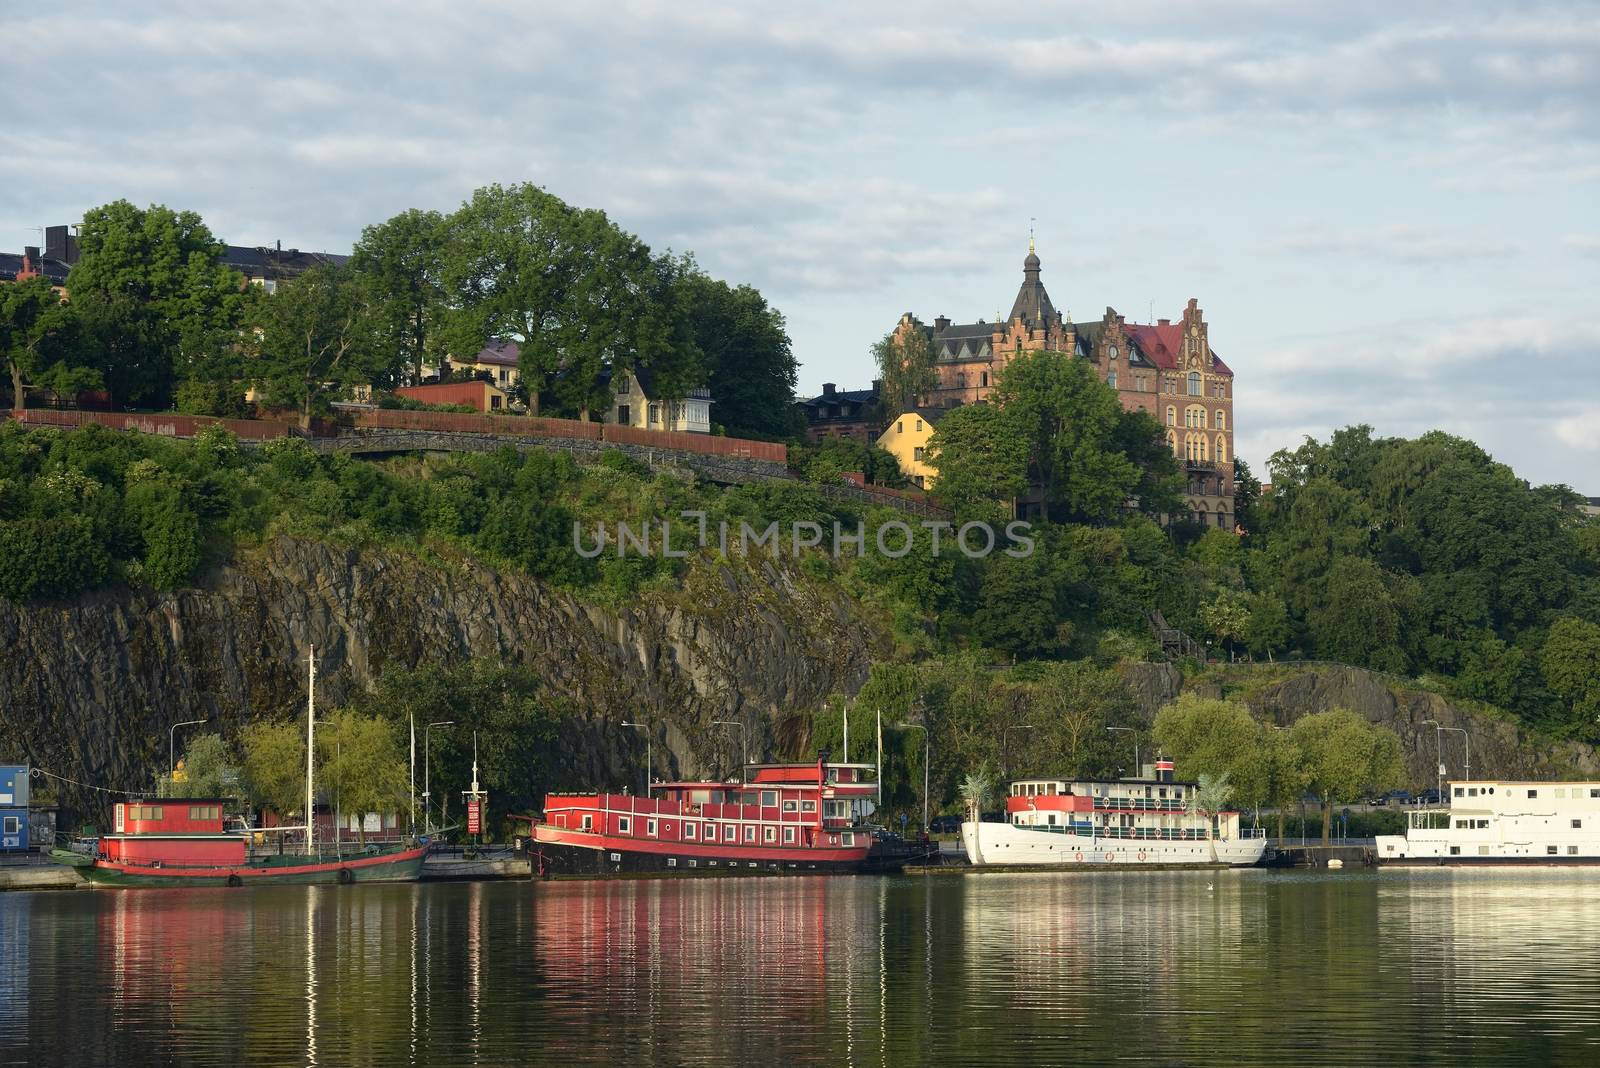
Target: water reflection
1147 968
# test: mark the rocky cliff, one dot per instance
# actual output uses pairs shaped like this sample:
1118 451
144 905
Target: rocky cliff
89 688
1281 694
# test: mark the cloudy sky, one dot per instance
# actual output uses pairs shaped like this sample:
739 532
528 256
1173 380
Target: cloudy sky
1390 212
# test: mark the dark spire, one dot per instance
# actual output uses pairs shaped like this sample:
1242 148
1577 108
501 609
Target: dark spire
1033 303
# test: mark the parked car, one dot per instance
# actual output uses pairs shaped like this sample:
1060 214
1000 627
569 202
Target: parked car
1380 800
1400 797
945 824
1429 797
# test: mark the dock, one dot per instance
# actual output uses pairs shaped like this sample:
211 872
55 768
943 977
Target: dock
33 872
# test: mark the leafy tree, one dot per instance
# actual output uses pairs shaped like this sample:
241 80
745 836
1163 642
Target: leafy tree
1226 618
1268 626
1068 418
154 296
1345 757
43 557
981 455
1016 609
1571 651
905 360
828 460
1160 484
1246 497
34 324
206 770
362 765
274 769
403 260
1074 702
320 335
1208 736
749 362
1208 798
1357 621
169 528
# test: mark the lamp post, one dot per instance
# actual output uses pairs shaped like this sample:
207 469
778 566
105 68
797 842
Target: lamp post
1438 755
172 748
649 759
1135 733
744 735
926 738
1467 738
427 771
1005 747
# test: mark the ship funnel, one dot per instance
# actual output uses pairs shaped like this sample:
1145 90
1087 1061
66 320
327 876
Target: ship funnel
1163 769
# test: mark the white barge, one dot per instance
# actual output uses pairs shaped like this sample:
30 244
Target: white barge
1498 822
1111 822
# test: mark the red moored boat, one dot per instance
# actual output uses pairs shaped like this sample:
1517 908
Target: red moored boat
794 818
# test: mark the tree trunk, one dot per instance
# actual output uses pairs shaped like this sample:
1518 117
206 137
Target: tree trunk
305 412
19 399
1327 820
1280 823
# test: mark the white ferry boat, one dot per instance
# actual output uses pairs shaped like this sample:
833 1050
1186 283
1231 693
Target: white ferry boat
1497 822
1111 822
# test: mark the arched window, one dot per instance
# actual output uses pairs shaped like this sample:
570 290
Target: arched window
1222 449
1194 383
1111 378
1222 419
1172 441
1194 417
1172 416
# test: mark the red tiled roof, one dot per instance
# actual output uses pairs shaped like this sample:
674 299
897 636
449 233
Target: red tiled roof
1163 342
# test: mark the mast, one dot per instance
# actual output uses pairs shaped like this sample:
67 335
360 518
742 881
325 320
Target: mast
847 730
878 767
311 729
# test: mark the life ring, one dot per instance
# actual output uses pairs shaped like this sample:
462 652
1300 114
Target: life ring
1080 856
1111 858
234 880
1141 854
346 876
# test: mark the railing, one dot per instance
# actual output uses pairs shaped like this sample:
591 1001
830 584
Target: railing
163 424
1141 834
1141 804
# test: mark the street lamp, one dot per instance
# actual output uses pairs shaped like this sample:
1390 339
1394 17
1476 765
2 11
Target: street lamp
1438 753
1467 738
172 749
1135 733
744 735
427 770
925 746
1005 749
649 759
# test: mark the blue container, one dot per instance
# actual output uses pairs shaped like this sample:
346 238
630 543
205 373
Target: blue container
13 785
13 830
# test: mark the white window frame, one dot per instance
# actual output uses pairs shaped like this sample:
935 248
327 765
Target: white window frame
624 825
788 836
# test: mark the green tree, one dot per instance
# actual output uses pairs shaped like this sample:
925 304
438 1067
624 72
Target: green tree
1226 618
981 454
977 790
155 297
34 325
1016 607
1345 757
905 359
1567 661
749 362
1268 626
1357 621
274 767
403 260
205 770
1220 738
1068 418
43 557
1160 484
320 336
1073 703
363 768
1209 797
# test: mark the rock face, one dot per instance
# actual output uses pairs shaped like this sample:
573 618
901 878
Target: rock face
1500 747
88 689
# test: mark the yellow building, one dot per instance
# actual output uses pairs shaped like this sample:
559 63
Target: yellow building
906 439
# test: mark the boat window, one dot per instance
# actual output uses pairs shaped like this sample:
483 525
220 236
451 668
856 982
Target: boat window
1483 825
1572 851
749 833
1460 792
624 824
808 806
1594 793
849 838
1577 824
769 798
791 806
1551 850
788 836
771 834
588 823
1455 851
688 831
1483 851
1533 793
13 824
1462 825
1052 789
1472 792
729 833
1052 819
1561 792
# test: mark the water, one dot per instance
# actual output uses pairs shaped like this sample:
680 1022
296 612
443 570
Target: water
1424 966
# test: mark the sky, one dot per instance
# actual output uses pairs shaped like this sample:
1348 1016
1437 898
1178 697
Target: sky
1390 213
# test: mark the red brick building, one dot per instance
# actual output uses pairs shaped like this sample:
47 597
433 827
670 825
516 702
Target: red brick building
1166 368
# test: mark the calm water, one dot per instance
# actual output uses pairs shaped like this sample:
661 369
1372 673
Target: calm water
1418 967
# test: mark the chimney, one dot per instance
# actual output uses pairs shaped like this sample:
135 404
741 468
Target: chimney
828 388
1164 322
877 385
278 245
940 324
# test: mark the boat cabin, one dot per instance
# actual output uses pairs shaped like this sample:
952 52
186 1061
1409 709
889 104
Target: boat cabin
1154 806
172 830
778 805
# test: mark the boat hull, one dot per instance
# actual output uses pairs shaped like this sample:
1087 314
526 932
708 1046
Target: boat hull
559 851
402 866
1003 843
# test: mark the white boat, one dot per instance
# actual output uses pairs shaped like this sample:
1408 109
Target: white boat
1111 822
1498 822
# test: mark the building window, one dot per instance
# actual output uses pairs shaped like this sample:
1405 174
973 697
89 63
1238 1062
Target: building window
900 426
983 378
791 806
494 403
655 414
918 480
1194 383
588 823
916 454
13 825
624 416
1222 449
1222 420
1111 378
1172 415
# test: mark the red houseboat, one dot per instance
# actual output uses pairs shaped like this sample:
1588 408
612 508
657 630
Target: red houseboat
183 841
794 818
